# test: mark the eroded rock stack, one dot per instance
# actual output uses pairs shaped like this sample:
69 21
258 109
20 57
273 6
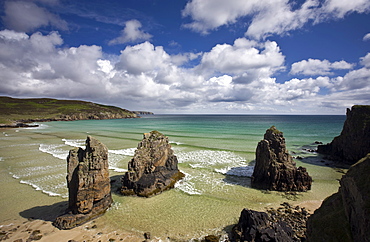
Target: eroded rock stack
275 168
153 168
354 141
345 216
88 184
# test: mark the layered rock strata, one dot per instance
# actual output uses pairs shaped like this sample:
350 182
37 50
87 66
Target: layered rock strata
354 141
275 168
345 216
88 182
153 168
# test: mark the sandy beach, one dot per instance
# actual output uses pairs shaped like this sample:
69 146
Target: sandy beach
40 230
21 230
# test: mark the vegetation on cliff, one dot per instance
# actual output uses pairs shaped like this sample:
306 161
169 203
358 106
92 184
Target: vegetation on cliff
14 110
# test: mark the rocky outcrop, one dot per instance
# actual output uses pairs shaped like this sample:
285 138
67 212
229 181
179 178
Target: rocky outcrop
345 216
153 168
284 224
354 141
88 184
275 168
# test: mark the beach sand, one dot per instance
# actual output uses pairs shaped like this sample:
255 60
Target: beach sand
40 230
22 229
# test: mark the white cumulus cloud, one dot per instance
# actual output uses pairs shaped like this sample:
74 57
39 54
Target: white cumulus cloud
265 17
26 16
314 67
366 37
131 33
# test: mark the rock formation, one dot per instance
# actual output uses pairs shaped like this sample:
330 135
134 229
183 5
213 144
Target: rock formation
345 216
284 224
354 141
153 168
275 168
88 184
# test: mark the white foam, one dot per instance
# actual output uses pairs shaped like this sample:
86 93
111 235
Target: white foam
126 152
176 143
243 171
207 158
54 150
79 143
187 186
117 169
40 126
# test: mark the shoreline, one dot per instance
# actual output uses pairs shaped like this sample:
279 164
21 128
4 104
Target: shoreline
22 229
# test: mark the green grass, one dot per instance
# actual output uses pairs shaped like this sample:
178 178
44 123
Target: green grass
14 109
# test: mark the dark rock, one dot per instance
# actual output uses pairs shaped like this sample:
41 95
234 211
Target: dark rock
153 168
257 226
88 184
211 238
354 141
275 168
345 216
147 235
283 224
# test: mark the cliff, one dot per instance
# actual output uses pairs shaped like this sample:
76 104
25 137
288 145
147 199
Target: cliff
354 141
275 168
89 190
16 112
345 216
153 168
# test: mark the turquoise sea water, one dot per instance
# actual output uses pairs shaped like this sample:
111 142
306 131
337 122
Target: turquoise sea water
216 153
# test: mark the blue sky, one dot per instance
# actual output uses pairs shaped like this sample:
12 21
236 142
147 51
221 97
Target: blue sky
196 56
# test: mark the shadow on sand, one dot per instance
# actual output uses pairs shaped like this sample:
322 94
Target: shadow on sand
46 213
51 212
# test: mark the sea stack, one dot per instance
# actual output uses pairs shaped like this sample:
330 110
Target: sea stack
153 168
354 141
88 184
275 168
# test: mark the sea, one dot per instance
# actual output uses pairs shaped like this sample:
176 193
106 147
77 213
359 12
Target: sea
215 152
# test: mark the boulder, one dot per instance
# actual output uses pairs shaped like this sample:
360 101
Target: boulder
354 141
258 226
275 168
88 182
153 168
345 215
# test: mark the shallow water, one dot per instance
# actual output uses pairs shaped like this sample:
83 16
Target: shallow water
215 152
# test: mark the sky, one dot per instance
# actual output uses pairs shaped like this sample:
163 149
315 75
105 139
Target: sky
189 56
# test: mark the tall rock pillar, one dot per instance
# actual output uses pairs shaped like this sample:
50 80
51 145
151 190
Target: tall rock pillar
275 168
88 182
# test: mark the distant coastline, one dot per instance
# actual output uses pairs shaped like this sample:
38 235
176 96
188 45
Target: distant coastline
18 113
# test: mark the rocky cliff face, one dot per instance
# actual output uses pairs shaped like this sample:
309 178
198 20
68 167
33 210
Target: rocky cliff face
153 168
88 184
345 216
275 168
354 141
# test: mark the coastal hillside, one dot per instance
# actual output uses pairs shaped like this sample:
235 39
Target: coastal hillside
15 110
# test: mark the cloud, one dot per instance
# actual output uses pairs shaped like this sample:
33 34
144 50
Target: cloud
131 33
26 16
264 17
229 78
366 37
244 57
315 67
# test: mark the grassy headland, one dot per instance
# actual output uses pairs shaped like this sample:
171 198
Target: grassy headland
15 110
